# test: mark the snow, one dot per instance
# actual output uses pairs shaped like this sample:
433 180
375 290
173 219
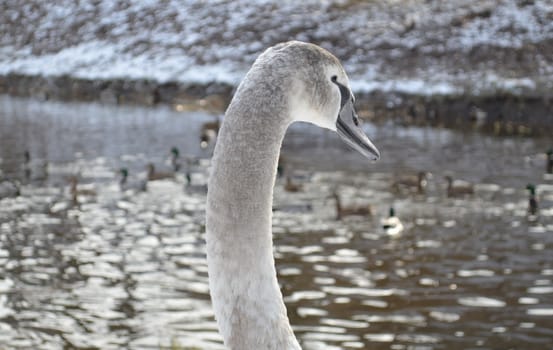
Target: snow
409 46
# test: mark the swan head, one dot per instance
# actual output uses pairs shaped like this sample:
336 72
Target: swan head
320 93
348 125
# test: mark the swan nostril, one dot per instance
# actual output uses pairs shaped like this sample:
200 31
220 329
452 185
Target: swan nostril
355 120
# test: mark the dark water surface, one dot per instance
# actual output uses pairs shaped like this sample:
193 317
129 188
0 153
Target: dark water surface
126 269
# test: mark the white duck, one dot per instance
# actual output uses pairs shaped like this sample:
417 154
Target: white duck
392 225
289 82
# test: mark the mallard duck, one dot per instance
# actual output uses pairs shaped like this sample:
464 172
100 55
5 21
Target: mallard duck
391 224
532 200
125 184
342 211
175 159
458 188
154 175
418 182
9 189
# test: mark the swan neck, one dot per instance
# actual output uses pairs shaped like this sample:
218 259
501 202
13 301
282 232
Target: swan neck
246 297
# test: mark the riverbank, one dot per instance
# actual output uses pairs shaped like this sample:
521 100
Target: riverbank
470 63
500 113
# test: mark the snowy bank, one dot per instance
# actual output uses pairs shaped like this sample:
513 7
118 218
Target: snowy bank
411 46
448 58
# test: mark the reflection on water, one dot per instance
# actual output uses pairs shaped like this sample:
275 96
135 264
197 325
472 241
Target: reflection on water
126 269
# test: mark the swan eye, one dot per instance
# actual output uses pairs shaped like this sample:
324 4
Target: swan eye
344 91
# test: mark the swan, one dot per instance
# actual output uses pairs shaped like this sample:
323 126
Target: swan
289 82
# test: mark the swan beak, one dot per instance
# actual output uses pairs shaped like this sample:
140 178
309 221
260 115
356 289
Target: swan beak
349 128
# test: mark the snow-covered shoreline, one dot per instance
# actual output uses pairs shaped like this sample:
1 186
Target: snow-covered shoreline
407 46
501 113
92 61
408 59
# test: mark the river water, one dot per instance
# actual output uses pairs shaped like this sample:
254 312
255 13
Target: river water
125 269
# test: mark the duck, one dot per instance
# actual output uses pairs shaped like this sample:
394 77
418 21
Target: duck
175 159
77 192
549 161
289 82
343 211
392 225
154 175
191 187
188 178
9 189
34 169
125 184
418 182
208 133
281 167
532 200
214 103
458 188
290 186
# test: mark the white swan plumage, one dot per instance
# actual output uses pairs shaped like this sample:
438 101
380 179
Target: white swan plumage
289 82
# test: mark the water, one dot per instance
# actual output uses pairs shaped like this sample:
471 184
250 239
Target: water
126 269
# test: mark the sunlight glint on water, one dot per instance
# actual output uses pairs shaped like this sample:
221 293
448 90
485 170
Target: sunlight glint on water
126 269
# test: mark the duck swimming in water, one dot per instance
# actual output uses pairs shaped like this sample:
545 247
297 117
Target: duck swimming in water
343 211
154 175
391 224
532 200
417 182
9 189
549 161
458 188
